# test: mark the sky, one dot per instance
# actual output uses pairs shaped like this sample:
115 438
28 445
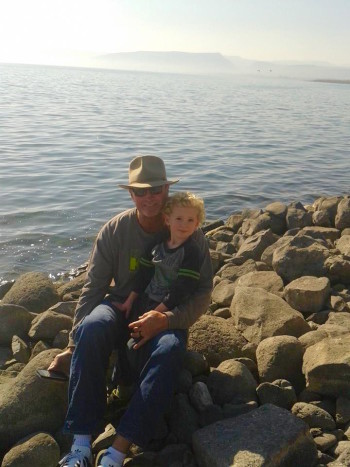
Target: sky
70 31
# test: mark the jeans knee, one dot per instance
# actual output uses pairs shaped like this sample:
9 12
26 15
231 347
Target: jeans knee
91 330
170 344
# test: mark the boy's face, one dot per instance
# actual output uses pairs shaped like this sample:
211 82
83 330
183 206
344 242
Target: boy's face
182 222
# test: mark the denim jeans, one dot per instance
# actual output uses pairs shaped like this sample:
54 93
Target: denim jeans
159 365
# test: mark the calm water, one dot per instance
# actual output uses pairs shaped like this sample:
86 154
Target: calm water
67 136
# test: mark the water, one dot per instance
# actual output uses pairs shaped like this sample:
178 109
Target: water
67 136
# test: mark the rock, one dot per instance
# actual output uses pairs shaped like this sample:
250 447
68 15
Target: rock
344 458
217 339
301 256
5 287
233 410
259 314
298 218
200 396
269 436
71 290
222 313
280 392
48 324
34 291
195 363
185 381
232 271
39 450
325 441
210 414
277 209
254 246
342 410
343 245
65 308
328 206
323 233
61 339
281 357
223 293
183 420
234 222
268 252
223 235
338 304
231 382
251 365
39 347
312 337
338 269
314 416
171 454
29 403
14 320
308 293
326 366
321 219
267 280
342 218
20 350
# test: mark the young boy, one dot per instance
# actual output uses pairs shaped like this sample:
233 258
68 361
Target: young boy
169 273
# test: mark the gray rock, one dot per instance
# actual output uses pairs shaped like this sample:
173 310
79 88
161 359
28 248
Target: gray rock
61 339
321 219
5 287
233 271
308 293
231 382
185 381
323 233
279 392
233 410
39 450
325 441
326 366
254 246
259 314
39 347
328 205
342 219
312 337
72 290
170 454
200 396
222 313
195 363
29 404
267 255
343 245
277 209
217 339
48 324
269 436
342 410
338 269
14 320
298 218
65 308
234 222
183 420
223 293
251 365
267 280
20 350
211 414
34 291
314 416
344 458
301 256
281 357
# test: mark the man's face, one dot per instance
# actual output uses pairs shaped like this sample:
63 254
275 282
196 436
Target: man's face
150 204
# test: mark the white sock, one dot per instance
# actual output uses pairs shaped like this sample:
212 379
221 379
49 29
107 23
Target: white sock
82 440
116 455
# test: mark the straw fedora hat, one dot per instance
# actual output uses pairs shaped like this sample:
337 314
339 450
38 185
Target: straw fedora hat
146 172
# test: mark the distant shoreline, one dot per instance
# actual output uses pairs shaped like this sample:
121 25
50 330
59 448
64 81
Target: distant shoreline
336 81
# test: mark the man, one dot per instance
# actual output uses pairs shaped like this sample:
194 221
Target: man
99 326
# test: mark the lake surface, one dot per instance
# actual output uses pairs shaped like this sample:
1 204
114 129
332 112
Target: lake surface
67 136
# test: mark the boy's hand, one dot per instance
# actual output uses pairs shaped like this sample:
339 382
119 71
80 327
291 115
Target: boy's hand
62 361
124 307
147 326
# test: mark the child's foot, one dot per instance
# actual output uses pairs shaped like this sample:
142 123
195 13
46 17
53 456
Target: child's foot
80 456
104 459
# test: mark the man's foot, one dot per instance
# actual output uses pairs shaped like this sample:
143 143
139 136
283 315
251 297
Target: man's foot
80 456
104 460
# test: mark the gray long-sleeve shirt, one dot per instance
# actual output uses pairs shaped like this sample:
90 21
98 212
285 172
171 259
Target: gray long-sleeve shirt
114 259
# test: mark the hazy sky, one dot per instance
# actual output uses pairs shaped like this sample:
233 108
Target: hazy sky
55 31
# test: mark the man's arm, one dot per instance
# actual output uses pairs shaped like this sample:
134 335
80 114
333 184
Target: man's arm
99 277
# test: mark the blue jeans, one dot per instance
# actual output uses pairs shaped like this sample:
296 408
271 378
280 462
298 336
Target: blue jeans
159 365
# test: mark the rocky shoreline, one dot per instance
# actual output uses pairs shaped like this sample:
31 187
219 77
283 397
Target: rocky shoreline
266 380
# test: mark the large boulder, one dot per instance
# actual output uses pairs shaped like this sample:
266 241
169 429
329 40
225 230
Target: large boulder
48 324
29 404
308 293
301 256
342 219
269 436
34 291
326 366
338 269
259 314
231 382
281 357
14 320
254 246
267 280
217 339
39 450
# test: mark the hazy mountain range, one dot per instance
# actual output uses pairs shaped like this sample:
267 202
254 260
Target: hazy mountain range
208 63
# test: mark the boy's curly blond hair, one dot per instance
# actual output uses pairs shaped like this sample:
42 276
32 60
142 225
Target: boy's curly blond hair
185 199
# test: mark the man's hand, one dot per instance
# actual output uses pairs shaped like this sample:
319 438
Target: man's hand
62 361
147 326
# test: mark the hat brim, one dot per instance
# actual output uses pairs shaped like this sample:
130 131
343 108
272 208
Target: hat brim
148 185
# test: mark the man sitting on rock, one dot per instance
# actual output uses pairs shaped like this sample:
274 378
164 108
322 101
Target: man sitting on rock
99 327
